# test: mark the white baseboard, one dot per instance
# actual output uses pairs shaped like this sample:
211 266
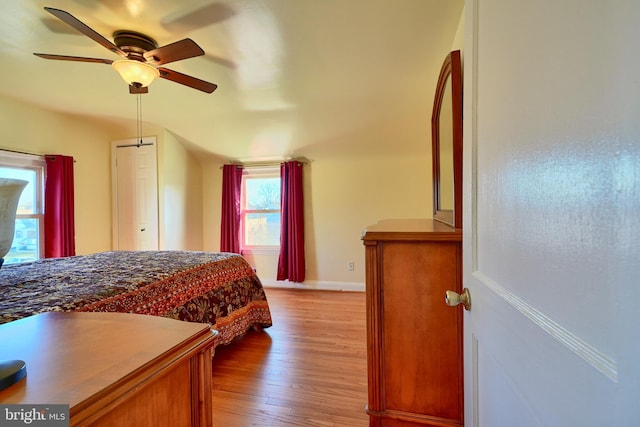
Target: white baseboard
315 285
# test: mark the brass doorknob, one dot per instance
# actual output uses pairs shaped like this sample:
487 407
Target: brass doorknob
453 298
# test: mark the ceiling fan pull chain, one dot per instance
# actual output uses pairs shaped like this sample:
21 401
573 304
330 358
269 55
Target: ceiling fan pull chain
139 120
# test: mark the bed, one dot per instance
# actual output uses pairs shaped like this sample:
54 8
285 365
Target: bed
209 287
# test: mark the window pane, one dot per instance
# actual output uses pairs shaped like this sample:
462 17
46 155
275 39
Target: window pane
262 229
27 203
262 193
25 242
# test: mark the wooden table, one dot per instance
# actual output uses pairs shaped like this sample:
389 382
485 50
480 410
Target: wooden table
113 369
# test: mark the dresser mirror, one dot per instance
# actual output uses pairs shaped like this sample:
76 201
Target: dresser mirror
446 132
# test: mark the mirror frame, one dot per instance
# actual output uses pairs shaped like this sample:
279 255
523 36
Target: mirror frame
451 72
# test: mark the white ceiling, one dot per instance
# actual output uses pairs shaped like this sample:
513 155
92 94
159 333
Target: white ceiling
289 72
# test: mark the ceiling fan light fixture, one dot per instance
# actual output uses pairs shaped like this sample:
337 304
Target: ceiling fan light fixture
136 72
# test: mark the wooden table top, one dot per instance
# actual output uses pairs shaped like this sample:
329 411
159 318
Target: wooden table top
72 356
411 229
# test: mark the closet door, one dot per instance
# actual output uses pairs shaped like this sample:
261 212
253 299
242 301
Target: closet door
135 195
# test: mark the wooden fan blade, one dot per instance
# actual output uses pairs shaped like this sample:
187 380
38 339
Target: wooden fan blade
84 29
176 51
73 58
186 80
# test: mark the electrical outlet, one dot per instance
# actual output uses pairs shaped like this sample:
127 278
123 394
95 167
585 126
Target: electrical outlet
350 266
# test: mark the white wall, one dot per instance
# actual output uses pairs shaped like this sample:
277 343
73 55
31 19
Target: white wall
180 186
346 191
377 166
34 130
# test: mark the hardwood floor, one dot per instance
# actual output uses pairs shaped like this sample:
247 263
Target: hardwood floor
308 369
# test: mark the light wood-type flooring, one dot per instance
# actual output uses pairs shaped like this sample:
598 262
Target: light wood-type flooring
308 369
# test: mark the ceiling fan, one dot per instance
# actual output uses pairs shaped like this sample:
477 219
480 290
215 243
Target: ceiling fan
142 56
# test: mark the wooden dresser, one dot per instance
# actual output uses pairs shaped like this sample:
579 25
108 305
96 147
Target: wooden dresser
414 349
113 369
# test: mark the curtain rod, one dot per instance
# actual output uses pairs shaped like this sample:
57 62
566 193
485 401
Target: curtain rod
28 154
302 160
21 152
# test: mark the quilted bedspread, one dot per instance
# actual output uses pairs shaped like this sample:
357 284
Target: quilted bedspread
216 288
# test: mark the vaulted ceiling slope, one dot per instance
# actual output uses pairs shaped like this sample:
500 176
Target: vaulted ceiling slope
290 73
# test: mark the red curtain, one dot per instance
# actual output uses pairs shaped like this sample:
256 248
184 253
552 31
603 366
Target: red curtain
291 263
59 223
230 224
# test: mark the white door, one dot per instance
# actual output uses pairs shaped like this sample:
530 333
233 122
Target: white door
552 213
135 195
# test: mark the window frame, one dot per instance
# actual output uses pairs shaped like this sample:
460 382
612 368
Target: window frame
253 173
37 164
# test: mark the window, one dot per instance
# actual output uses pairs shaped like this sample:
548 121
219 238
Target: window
28 238
260 208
